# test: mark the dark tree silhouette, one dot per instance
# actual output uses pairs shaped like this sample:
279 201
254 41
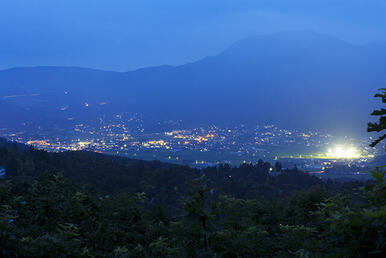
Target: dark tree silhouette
381 125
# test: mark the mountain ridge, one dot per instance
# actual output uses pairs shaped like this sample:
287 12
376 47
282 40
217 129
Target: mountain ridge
294 70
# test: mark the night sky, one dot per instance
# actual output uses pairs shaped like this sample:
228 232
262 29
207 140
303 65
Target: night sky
124 35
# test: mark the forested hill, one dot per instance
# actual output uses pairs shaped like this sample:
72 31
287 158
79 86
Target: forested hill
151 209
162 181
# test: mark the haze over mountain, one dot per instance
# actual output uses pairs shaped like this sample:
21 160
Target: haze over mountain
294 79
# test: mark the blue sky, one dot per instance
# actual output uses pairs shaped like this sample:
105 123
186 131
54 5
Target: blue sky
128 34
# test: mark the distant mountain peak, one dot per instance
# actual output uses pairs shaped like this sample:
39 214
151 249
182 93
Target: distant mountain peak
293 79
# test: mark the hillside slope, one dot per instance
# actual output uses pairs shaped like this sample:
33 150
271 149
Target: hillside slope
291 79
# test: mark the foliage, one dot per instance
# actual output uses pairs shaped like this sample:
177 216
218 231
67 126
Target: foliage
381 125
162 210
358 230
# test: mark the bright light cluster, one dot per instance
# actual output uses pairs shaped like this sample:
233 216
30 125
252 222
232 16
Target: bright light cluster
343 152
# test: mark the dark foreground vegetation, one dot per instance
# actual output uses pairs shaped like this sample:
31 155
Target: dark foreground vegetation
82 204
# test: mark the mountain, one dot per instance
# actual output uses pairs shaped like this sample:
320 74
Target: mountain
297 79
12 115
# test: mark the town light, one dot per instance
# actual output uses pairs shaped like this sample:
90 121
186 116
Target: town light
343 152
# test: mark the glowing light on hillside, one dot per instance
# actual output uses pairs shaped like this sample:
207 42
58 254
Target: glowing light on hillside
84 144
343 152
